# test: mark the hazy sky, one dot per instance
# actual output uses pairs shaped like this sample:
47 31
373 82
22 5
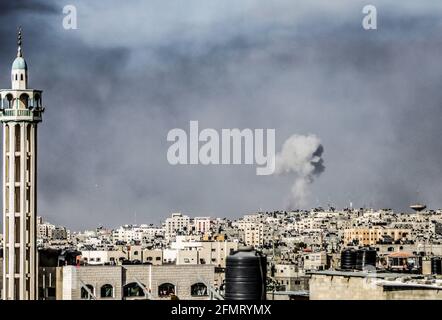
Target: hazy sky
136 69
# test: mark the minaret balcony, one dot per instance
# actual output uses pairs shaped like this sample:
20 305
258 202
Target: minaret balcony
32 115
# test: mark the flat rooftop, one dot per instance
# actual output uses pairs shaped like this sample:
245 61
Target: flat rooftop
365 274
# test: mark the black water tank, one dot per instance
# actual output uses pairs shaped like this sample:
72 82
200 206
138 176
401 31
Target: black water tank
246 275
365 257
436 265
48 257
348 259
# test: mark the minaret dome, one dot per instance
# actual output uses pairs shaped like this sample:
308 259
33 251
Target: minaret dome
19 71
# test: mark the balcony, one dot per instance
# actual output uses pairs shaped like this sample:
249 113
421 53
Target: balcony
20 115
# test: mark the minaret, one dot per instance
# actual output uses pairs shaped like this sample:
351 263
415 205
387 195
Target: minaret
21 111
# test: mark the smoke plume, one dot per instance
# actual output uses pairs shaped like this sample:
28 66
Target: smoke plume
302 156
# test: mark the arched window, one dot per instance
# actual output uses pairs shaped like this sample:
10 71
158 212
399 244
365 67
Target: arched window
24 99
132 290
166 289
21 77
85 294
198 290
107 291
37 100
9 100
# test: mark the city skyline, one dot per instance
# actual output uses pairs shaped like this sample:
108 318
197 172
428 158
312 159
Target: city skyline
114 90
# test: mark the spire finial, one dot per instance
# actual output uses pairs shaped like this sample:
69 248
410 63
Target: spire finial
19 42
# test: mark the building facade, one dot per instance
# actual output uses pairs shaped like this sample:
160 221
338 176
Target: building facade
135 282
373 236
176 224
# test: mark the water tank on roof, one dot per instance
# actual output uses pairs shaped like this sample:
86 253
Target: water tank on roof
348 259
246 275
48 257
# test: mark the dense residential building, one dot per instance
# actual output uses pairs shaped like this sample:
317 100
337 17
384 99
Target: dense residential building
135 282
375 235
201 224
298 245
176 224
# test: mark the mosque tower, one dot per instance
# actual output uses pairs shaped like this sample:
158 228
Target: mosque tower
21 111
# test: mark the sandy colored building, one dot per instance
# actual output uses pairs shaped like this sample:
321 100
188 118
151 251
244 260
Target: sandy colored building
337 285
372 236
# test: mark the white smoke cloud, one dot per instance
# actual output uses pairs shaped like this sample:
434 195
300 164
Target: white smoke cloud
302 156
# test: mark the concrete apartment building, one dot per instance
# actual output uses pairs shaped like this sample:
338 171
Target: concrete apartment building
201 225
337 285
315 261
134 233
372 236
176 224
101 257
134 282
256 234
187 250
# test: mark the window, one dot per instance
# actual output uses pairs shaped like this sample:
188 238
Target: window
84 292
166 289
9 99
107 291
37 100
132 290
17 137
198 290
24 100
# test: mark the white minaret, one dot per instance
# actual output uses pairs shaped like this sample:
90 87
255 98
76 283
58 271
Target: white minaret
21 110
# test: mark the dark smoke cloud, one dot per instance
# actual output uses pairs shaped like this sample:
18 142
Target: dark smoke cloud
8 8
117 85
